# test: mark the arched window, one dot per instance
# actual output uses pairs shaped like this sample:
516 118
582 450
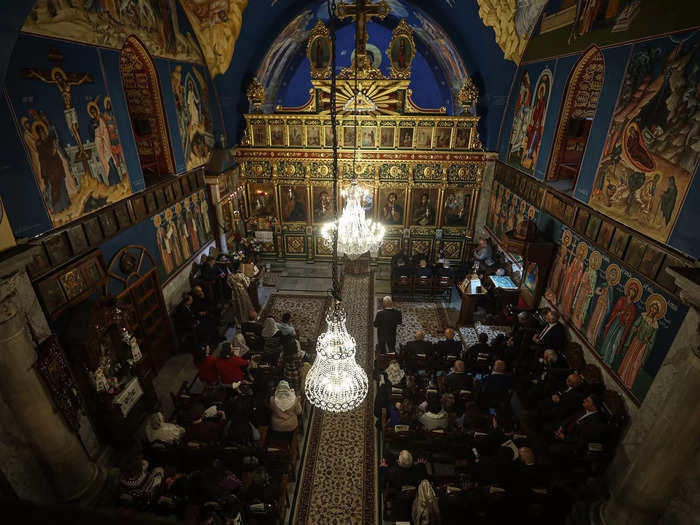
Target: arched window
575 119
143 98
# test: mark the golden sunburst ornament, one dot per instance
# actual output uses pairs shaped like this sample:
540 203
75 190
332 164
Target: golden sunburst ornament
372 98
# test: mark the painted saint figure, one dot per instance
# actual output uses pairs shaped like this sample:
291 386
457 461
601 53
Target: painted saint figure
53 170
103 146
392 212
520 118
572 279
555 276
424 212
602 303
535 125
584 294
641 340
173 240
163 245
620 321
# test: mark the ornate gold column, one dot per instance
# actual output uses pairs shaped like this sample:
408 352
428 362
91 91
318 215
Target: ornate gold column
72 474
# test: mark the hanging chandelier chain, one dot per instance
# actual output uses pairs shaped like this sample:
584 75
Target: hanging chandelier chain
335 292
354 149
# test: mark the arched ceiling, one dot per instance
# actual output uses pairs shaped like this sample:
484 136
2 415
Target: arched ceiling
459 21
438 60
459 40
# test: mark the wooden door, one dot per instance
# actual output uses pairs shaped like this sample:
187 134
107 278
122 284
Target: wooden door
133 279
153 325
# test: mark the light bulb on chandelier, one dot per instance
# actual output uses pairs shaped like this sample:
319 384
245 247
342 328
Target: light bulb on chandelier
336 382
357 235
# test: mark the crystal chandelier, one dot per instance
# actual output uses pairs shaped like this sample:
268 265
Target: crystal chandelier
336 382
356 234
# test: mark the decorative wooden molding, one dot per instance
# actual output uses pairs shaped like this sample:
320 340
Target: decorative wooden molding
66 244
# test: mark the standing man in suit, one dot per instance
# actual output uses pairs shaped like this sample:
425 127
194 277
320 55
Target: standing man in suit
553 335
386 322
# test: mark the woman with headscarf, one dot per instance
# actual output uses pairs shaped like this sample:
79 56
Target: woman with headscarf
272 336
434 416
425 507
157 430
240 343
285 409
290 362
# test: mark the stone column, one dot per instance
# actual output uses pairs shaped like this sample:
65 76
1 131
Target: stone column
642 490
219 233
71 473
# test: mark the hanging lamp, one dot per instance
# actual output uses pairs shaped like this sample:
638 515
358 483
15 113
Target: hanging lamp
356 233
335 382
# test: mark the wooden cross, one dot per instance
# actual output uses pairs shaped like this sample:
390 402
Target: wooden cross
362 12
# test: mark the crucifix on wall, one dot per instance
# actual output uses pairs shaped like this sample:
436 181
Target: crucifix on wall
362 12
64 82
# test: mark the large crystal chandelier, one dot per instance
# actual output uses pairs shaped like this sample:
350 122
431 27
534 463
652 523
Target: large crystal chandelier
356 234
336 382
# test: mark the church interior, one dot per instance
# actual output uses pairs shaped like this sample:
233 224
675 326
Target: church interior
354 262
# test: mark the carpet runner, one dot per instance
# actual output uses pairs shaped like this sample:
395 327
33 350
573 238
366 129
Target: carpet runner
338 480
308 314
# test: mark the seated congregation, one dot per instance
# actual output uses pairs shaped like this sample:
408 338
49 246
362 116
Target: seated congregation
230 448
518 427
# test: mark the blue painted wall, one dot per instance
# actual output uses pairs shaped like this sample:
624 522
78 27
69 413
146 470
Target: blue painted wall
430 89
684 235
21 96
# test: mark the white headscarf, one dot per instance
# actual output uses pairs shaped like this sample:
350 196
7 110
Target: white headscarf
284 396
158 430
269 327
405 459
239 341
425 507
394 372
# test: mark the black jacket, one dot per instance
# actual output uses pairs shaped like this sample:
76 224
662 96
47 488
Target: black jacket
455 382
418 347
185 318
444 348
555 338
496 383
386 322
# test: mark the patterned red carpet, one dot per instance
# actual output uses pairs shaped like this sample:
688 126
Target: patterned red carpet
339 476
430 318
308 314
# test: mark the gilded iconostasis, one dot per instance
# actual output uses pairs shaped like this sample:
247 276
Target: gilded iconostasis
421 167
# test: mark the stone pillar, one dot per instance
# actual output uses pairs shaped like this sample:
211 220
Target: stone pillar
482 208
641 491
219 233
72 474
